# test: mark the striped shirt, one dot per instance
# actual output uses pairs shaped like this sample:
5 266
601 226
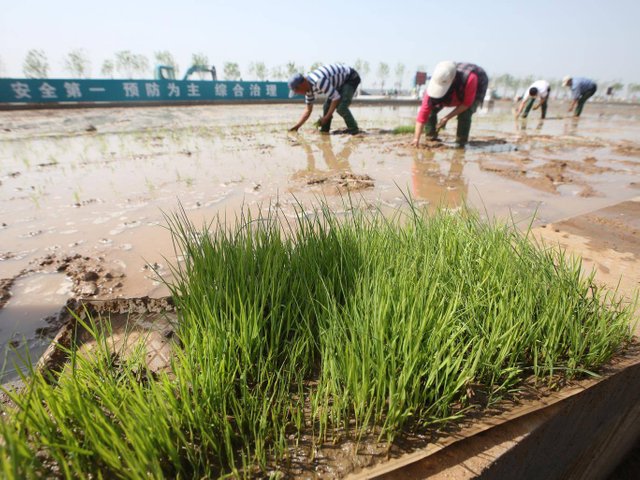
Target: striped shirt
580 86
327 79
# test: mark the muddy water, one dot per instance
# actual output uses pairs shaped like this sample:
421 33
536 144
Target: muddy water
28 319
83 192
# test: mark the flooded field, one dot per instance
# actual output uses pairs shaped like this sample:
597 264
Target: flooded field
83 192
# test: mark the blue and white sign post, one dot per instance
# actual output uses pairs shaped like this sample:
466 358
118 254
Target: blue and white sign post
52 91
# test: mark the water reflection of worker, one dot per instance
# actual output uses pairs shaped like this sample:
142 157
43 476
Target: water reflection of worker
521 125
539 90
459 85
431 184
339 82
571 126
336 162
582 89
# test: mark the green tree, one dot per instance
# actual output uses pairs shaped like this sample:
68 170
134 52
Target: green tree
77 63
35 64
315 65
277 73
382 74
399 70
202 61
556 87
165 57
633 89
107 68
141 66
291 69
129 64
362 67
616 86
232 71
124 63
508 83
258 70
527 81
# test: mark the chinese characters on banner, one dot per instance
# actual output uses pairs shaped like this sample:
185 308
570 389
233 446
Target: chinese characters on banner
51 90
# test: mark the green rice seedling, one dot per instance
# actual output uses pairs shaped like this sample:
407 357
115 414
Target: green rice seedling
325 327
36 195
97 415
26 161
151 187
403 129
17 458
475 285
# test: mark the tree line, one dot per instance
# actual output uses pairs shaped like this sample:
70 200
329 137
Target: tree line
127 64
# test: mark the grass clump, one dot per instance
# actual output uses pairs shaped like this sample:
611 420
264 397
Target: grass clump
403 129
320 328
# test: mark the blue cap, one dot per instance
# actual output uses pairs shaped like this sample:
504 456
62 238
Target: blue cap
295 81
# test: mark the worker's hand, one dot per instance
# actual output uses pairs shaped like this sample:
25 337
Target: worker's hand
535 107
294 129
324 120
415 142
441 124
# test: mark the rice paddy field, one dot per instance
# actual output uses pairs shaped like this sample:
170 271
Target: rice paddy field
320 329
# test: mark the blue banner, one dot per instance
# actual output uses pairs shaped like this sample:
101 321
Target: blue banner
26 90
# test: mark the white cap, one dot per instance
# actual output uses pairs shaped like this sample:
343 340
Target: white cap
565 81
442 78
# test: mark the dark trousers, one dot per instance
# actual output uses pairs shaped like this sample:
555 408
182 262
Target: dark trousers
346 91
464 123
527 108
582 99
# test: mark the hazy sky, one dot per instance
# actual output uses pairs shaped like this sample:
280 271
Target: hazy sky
544 38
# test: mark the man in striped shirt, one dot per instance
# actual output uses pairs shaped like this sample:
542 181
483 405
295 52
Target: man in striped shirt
339 82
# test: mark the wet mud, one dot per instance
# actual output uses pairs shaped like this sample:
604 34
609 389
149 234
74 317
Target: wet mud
84 193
